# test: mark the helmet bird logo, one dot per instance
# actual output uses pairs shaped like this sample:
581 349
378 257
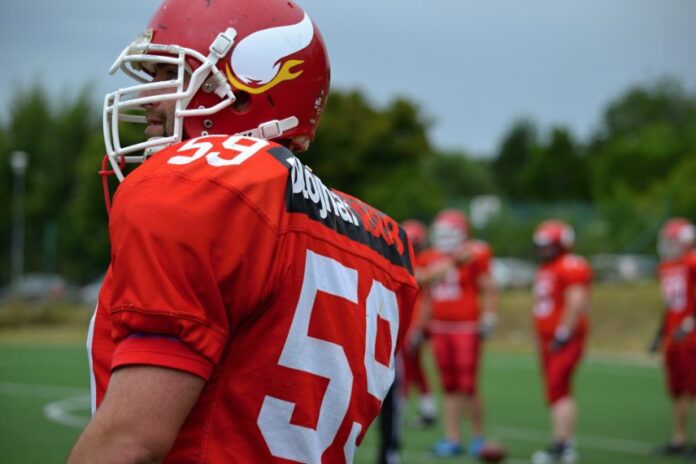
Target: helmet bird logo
258 63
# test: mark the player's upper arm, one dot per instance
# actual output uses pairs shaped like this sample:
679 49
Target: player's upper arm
577 296
140 416
485 281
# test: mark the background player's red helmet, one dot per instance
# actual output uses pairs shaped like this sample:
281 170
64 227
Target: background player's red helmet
677 237
553 238
417 233
449 230
254 67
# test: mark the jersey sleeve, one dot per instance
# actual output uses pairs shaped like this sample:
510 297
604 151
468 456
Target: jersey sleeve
576 270
188 263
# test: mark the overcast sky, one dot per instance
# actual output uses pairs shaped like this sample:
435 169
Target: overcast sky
472 66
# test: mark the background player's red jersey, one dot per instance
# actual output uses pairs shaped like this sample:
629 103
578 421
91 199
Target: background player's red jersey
455 296
552 281
232 261
678 282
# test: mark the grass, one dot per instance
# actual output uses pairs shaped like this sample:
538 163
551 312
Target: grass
624 411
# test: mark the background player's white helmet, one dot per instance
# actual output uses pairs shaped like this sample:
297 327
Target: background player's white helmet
677 237
450 230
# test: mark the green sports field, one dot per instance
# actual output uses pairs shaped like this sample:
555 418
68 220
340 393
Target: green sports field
624 413
44 401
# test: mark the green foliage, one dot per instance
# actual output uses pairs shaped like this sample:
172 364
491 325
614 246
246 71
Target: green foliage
53 134
377 156
556 171
515 153
460 176
633 173
5 205
637 169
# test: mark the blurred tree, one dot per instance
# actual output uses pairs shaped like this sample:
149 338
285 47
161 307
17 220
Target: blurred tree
641 162
637 169
378 156
53 134
665 101
644 135
556 171
5 205
514 154
460 176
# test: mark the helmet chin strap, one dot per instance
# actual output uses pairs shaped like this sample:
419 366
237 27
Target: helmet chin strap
270 130
105 173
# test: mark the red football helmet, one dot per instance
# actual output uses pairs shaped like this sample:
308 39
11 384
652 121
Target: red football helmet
450 229
677 237
252 67
416 233
553 238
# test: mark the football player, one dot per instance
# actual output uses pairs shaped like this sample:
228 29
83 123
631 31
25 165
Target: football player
250 313
463 300
414 374
561 304
676 336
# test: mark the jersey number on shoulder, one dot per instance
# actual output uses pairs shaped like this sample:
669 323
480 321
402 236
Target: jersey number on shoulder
543 298
326 359
674 292
216 146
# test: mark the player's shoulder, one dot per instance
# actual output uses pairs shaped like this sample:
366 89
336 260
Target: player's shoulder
574 268
376 230
572 262
233 161
214 170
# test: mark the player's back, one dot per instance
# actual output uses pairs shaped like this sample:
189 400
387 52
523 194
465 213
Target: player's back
294 296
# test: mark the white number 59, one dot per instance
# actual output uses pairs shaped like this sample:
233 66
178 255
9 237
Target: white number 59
328 360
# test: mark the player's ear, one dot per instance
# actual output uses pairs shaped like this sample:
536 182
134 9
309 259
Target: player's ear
299 143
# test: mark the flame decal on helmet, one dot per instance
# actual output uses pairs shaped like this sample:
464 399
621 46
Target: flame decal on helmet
256 60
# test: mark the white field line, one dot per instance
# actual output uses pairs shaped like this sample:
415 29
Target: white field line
62 411
29 389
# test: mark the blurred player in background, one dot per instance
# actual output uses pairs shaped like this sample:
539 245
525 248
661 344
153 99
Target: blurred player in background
250 313
676 335
409 370
562 300
414 374
464 309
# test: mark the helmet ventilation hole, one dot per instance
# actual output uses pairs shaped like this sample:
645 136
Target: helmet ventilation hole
242 104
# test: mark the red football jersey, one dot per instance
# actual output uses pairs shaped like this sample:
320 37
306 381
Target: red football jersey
678 283
234 262
552 281
455 296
